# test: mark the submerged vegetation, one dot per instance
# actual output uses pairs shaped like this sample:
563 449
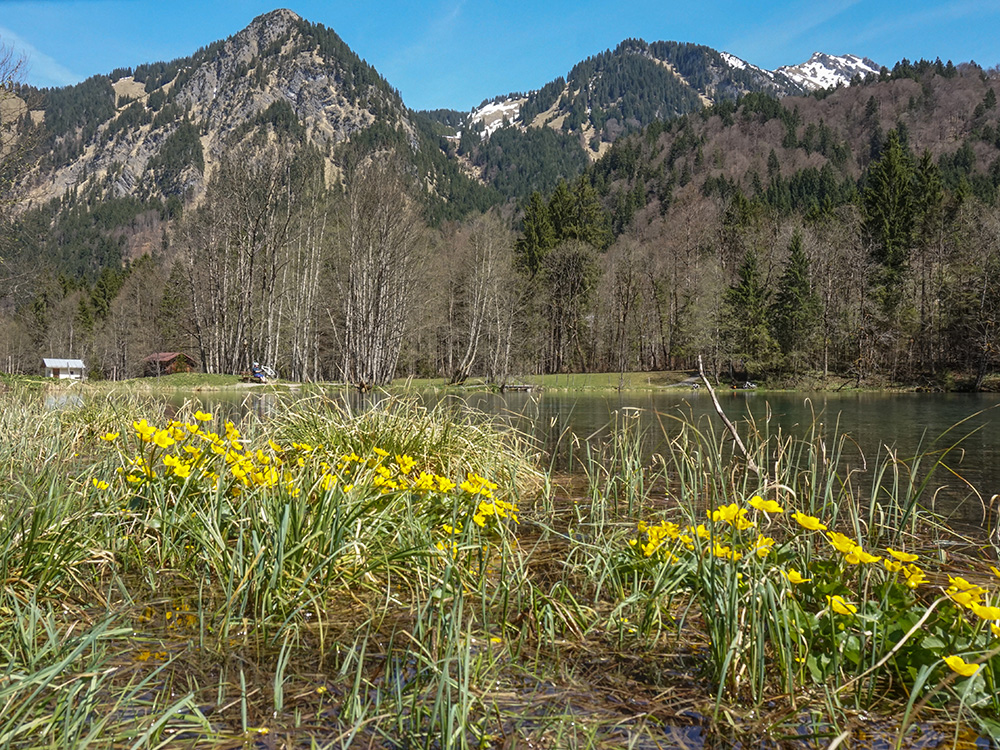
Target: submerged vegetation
404 577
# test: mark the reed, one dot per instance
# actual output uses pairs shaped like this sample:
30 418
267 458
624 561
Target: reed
401 576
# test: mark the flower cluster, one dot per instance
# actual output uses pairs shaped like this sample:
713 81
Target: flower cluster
191 459
732 535
192 454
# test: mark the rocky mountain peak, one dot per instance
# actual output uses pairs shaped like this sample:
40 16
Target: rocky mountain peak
823 70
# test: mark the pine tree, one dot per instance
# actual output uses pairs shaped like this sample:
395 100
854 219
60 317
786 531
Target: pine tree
888 202
796 311
538 236
749 330
590 223
562 212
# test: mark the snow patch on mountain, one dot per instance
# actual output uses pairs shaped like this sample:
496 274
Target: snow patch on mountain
494 114
733 61
823 71
737 63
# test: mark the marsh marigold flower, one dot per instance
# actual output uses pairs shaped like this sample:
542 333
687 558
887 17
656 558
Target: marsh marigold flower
986 613
732 514
808 522
763 545
839 605
960 666
144 430
914 576
905 557
794 576
767 506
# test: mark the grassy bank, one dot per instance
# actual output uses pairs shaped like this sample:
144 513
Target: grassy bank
400 577
593 381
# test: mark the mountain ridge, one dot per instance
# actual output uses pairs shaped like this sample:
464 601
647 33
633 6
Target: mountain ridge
282 68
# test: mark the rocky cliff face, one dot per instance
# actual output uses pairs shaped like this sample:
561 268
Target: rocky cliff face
226 91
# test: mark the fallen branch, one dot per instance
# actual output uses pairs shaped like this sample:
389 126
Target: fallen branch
751 464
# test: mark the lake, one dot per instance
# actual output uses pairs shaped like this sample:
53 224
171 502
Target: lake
909 423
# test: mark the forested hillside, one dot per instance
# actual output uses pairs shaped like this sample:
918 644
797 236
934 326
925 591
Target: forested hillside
853 231
271 198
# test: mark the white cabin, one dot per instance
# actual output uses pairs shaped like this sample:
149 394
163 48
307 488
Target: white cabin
64 369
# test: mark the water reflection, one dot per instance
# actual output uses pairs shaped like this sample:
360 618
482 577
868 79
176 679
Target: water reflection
63 400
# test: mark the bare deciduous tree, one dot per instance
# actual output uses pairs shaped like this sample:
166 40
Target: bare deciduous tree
235 249
377 248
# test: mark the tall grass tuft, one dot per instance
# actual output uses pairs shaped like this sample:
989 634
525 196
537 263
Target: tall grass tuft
381 575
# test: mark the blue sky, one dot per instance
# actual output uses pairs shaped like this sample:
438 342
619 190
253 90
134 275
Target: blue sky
455 53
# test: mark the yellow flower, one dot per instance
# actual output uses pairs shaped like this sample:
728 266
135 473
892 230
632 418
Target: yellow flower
99 484
202 416
986 613
892 566
380 453
841 543
768 506
860 556
110 436
144 430
444 484
970 598
963 593
914 576
808 522
424 482
763 545
732 514
182 471
905 557
450 547
840 606
162 438
725 553
960 666
794 576
405 463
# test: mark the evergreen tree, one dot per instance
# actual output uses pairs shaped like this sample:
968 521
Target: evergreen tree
796 311
749 330
538 236
562 211
928 202
888 202
589 222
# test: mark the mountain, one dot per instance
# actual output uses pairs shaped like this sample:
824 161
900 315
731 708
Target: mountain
160 131
640 188
616 93
822 71
626 89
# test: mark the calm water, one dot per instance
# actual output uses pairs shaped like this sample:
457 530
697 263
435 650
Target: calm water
909 423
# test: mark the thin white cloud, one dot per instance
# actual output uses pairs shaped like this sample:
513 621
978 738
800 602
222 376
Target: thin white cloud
40 69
